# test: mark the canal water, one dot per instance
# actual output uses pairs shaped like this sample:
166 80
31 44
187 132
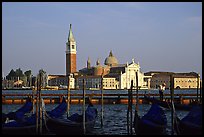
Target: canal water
114 120
115 115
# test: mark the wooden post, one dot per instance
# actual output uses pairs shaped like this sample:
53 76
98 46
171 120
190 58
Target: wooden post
68 95
40 103
84 117
101 100
37 105
197 87
131 107
136 105
137 98
128 111
172 101
33 99
200 92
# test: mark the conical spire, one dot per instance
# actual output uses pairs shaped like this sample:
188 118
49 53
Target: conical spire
88 63
110 54
97 62
71 36
89 60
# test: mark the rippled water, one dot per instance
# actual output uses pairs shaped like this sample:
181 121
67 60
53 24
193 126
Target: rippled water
155 91
115 117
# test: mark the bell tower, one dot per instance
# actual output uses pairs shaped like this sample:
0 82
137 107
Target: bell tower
70 53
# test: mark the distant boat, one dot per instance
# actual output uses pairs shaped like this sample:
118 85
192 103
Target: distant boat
154 122
94 88
168 105
191 124
73 125
27 125
19 114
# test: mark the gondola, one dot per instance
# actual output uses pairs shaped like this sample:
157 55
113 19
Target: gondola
168 105
19 114
154 122
191 124
73 125
27 125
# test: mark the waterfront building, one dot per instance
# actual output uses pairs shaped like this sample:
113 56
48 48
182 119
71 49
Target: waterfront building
7 84
110 83
116 76
128 73
188 80
94 82
70 53
61 81
91 82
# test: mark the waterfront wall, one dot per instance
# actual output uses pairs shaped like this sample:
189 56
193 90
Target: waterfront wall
96 99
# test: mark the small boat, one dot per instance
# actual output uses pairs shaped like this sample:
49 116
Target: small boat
27 125
154 122
19 114
167 104
191 124
73 125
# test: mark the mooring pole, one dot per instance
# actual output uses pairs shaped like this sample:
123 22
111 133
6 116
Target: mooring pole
172 101
128 113
136 106
68 95
137 97
84 115
40 103
101 100
131 107
200 92
33 99
197 87
37 105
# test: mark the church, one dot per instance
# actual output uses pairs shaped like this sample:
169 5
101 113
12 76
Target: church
115 75
112 74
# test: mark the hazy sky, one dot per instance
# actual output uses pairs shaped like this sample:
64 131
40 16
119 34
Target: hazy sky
160 36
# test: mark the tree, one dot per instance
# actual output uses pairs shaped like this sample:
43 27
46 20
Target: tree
43 75
11 75
19 73
28 75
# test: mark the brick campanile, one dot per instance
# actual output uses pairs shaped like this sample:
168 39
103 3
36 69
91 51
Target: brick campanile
70 53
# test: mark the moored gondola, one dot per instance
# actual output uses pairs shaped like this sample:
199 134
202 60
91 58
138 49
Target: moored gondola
167 104
73 125
191 124
154 122
19 114
27 125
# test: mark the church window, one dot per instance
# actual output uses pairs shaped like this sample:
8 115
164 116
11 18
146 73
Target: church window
72 46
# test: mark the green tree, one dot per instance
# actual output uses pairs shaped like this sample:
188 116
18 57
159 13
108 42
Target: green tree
43 77
19 73
11 75
28 75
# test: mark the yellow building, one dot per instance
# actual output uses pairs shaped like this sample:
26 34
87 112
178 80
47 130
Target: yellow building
189 80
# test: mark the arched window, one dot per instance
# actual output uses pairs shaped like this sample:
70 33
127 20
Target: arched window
72 46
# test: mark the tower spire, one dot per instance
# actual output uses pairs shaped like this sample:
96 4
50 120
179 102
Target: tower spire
71 36
88 63
110 54
70 53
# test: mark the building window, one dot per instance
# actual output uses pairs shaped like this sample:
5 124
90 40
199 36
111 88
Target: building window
72 46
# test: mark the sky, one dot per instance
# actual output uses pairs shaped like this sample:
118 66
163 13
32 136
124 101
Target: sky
161 36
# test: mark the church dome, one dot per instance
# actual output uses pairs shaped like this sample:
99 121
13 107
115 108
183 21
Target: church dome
111 60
